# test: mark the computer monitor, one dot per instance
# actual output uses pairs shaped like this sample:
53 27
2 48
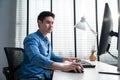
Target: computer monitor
118 46
107 27
118 40
106 33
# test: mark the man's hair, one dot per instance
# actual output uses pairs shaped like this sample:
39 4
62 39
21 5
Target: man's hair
44 14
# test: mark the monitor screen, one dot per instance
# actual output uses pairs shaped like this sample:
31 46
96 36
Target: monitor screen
118 46
107 33
118 41
107 26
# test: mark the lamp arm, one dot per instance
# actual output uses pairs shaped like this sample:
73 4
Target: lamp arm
91 29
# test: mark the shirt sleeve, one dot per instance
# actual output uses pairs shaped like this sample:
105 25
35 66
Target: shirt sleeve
55 57
34 55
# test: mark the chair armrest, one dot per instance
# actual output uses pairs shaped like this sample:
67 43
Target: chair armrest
33 77
6 72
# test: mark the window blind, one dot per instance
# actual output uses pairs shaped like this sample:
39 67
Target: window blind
21 21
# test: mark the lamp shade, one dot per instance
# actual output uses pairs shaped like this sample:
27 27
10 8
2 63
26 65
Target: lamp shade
80 25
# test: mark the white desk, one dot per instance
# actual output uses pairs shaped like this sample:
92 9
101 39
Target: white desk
89 73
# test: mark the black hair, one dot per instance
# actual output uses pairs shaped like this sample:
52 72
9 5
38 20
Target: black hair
44 14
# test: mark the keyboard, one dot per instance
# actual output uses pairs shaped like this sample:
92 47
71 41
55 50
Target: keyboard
86 64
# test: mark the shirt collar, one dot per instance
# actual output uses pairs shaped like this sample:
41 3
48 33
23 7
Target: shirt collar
41 35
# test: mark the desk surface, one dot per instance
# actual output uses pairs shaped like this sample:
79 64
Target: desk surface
89 73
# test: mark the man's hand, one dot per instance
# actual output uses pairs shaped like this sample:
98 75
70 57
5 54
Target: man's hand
73 66
67 67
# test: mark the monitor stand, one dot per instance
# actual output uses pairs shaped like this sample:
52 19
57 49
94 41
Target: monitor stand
109 69
112 69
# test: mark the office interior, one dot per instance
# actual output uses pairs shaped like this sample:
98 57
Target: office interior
18 18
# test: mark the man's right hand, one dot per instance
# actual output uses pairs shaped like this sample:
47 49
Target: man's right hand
76 67
68 67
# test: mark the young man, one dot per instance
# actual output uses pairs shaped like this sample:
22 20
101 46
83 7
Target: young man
38 54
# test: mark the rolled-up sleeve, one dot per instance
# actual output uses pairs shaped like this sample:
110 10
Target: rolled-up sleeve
55 57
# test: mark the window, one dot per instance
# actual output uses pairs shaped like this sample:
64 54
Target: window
21 21
35 7
63 33
85 39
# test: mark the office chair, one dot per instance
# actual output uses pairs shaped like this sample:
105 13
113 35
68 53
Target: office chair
14 58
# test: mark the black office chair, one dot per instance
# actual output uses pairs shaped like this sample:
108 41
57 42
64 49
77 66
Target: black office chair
14 58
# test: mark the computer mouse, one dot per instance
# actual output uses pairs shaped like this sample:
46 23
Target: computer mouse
72 71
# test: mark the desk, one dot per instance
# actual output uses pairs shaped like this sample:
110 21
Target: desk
89 73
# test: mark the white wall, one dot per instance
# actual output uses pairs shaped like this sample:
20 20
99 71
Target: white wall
7 29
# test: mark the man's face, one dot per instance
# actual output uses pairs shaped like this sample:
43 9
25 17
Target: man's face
47 25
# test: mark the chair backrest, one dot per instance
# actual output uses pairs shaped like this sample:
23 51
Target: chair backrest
14 57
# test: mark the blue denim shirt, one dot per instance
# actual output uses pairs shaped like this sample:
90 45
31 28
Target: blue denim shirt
37 54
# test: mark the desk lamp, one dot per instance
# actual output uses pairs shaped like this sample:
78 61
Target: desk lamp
82 25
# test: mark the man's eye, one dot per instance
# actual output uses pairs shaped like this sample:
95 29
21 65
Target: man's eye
48 22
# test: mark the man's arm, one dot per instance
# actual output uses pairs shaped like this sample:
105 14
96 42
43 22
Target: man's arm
67 67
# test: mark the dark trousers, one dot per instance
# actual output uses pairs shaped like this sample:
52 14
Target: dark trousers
49 74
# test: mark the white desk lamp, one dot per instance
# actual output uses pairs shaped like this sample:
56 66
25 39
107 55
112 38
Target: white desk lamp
81 25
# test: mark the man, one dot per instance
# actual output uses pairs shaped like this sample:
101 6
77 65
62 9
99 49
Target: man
38 54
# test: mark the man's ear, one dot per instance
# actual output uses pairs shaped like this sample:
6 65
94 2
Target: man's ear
38 21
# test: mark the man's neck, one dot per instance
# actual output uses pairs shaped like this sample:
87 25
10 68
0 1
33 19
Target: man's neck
44 34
